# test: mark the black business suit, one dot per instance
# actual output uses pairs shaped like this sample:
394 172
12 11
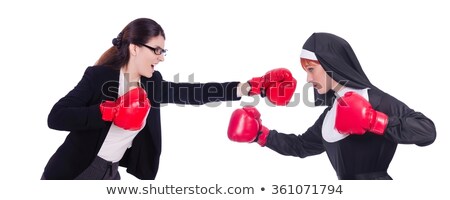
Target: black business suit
79 113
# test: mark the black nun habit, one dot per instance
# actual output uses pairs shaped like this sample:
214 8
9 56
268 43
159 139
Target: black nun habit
364 156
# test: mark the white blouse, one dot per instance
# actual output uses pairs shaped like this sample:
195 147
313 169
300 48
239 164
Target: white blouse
118 140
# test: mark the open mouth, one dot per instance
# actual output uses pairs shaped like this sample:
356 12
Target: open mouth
317 85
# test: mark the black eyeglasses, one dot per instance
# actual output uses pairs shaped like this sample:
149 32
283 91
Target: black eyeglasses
157 51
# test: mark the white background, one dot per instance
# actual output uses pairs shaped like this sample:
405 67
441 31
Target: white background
46 46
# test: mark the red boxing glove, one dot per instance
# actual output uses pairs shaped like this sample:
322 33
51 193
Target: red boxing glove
355 115
128 111
277 84
245 126
108 110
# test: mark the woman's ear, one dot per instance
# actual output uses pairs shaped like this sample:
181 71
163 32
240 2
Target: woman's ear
133 49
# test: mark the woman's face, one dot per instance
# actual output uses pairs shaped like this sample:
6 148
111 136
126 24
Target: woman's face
317 76
147 57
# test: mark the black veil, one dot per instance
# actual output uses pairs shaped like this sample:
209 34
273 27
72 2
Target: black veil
339 61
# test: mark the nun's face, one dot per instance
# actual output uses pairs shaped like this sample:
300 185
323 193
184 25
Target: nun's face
317 76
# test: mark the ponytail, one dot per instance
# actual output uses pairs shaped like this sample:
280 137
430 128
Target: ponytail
136 32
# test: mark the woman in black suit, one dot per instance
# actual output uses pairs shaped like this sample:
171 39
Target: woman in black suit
113 113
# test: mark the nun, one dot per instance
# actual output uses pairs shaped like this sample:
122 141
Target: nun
360 126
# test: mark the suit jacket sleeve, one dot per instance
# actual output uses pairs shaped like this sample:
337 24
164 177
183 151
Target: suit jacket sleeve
197 93
73 111
407 126
307 144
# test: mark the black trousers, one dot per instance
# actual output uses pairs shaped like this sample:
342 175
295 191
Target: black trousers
99 169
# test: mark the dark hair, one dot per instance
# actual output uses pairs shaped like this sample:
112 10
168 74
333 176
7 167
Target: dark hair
136 32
